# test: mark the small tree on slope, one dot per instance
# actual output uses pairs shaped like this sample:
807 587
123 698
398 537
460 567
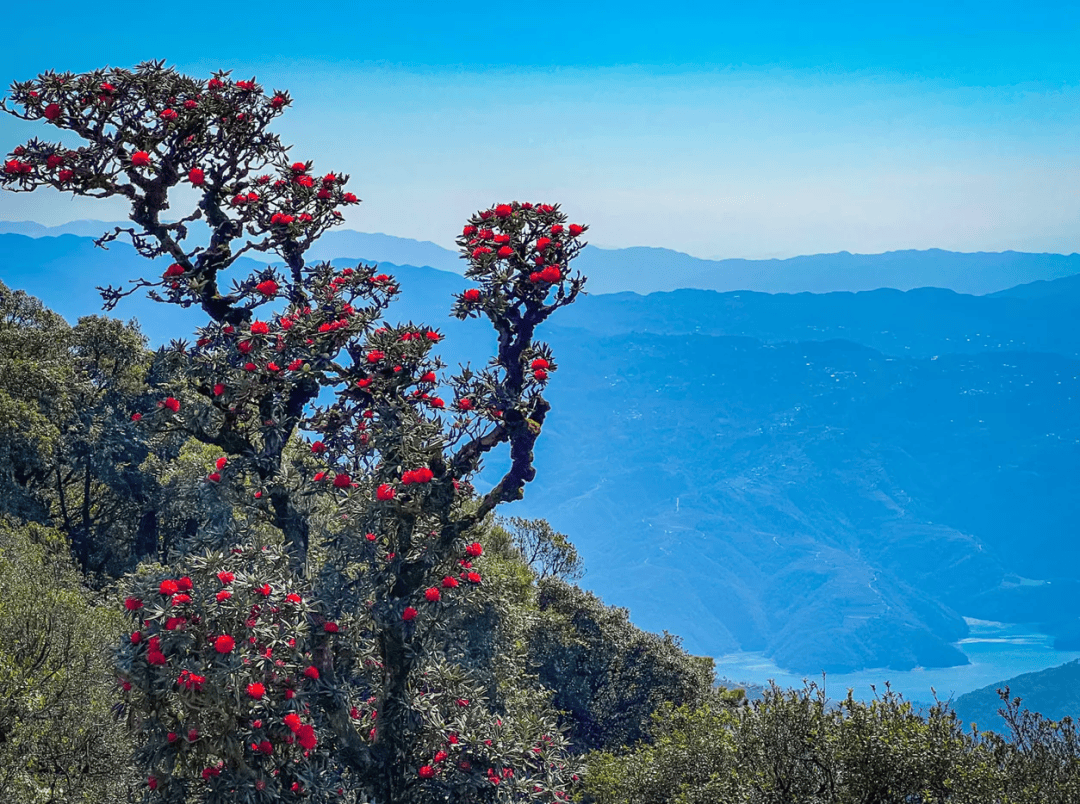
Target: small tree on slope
313 665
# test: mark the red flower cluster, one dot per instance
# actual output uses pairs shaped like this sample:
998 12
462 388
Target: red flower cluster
267 288
385 492
421 475
550 274
409 614
474 550
153 653
305 733
190 681
224 644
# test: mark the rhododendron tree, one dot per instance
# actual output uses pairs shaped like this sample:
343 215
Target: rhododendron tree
298 649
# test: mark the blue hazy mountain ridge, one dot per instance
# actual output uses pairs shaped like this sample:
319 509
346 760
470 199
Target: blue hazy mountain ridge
647 270
1054 693
784 479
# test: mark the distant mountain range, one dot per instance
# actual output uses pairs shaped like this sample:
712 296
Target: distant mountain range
833 479
1053 693
650 270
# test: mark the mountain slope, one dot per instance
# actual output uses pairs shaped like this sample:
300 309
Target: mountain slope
1053 693
735 472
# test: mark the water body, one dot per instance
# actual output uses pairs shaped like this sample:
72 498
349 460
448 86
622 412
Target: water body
997 652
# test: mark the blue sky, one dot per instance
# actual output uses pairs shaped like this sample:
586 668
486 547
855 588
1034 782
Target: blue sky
722 130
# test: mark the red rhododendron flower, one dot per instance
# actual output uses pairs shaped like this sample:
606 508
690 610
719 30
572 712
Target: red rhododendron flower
539 363
292 720
52 111
267 288
223 595
245 346
426 772
54 161
504 211
256 690
259 328
250 367
173 623
226 577
474 550
318 446
140 159
264 590
432 595
172 404
174 270
540 374
305 735
312 672
505 251
196 176
220 462
132 604
156 657
65 175
472 295
473 577
385 492
292 597
449 582
551 274
169 115
409 614
224 644
374 356
342 481
330 627
219 389
179 600
169 588
575 230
